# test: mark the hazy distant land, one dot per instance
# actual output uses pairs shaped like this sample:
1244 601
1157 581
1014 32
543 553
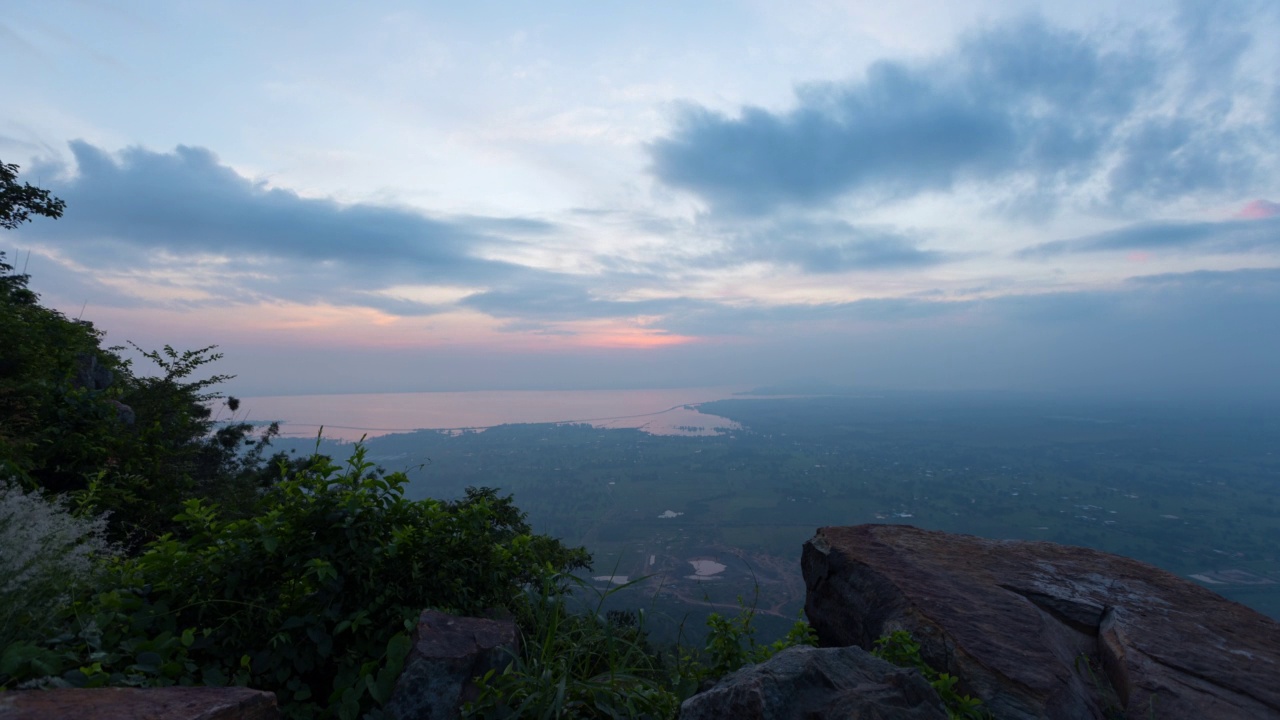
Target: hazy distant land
350 417
1195 490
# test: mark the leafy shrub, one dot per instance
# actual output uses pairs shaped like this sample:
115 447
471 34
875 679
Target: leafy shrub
46 554
599 665
52 429
310 597
578 665
901 649
731 644
75 418
175 451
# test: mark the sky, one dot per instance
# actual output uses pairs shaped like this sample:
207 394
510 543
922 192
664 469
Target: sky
406 196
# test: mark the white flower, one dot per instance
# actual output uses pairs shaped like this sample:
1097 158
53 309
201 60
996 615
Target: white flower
45 552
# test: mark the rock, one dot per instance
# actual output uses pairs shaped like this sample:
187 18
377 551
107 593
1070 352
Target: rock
124 413
448 652
805 683
91 375
1040 630
171 703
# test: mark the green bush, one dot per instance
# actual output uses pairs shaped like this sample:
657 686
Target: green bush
52 428
310 597
901 649
303 581
731 644
590 664
76 419
585 664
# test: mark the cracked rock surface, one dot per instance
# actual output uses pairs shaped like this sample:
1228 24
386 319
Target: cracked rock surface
807 683
1041 630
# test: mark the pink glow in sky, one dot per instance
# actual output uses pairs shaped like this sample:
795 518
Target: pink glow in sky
1259 209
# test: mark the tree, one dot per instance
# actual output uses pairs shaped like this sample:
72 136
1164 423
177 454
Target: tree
19 202
40 352
74 418
52 424
298 577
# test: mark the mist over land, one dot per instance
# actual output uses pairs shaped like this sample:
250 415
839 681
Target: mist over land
1190 487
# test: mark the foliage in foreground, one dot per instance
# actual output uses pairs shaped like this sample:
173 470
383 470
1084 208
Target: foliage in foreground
311 597
302 581
600 665
76 419
577 665
901 649
46 555
731 644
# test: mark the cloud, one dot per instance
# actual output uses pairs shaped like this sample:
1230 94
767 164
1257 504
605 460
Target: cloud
150 215
801 320
182 230
187 201
1168 336
562 298
1049 111
538 302
1186 303
1231 236
823 246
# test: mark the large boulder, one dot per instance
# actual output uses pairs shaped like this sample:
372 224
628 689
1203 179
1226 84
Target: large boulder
171 703
806 683
1040 630
448 653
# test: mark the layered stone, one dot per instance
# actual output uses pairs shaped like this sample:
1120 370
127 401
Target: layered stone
1040 630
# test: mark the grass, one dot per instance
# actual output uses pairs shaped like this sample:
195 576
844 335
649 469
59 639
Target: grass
594 663
901 649
590 664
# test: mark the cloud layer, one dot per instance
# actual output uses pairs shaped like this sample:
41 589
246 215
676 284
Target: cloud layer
1051 112
1232 236
1028 204
187 201
186 211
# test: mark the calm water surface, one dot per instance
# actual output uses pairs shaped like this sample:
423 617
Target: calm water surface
348 417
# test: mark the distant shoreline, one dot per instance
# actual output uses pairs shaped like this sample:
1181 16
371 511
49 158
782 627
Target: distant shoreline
350 416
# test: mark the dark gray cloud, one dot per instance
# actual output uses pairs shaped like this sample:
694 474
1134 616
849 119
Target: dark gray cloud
160 213
187 201
1045 107
163 214
553 298
811 243
152 213
830 246
815 247
710 320
1226 236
